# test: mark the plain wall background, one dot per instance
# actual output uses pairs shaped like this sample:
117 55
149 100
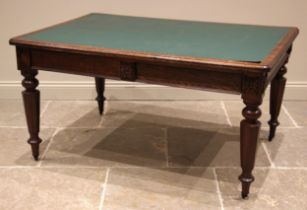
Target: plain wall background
19 17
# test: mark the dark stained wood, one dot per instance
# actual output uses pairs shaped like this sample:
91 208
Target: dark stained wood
278 85
31 98
252 94
127 71
114 68
248 144
247 78
276 68
276 96
88 65
57 53
189 78
100 84
23 58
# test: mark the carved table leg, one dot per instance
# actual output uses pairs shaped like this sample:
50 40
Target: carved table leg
100 83
31 99
252 94
277 91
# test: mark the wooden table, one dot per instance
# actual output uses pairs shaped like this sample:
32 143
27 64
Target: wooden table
239 59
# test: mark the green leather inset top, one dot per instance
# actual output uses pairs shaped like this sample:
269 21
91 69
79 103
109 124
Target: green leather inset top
174 37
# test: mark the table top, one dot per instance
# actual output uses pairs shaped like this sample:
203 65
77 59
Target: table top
176 38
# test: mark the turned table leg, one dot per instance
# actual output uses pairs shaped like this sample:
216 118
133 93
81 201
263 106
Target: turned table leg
31 99
100 83
276 96
252 94
250 127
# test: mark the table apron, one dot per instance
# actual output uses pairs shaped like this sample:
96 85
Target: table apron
131 70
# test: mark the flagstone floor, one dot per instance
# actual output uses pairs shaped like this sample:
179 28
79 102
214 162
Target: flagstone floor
164 155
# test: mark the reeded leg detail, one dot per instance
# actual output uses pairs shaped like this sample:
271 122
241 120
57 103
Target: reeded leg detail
276 96
250 127
100 83
31 99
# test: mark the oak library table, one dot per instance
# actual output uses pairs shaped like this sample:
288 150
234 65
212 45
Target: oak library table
234 58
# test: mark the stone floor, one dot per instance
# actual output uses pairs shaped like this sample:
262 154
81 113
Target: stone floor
166 155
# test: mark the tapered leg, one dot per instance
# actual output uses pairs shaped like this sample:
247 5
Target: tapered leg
250 127
252 95
100 83
31 99
277 91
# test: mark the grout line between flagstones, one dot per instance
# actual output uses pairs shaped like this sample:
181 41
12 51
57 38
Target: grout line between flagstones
290 117
266 151
47 147
166 147
218 190
104 188
45 109
226 113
